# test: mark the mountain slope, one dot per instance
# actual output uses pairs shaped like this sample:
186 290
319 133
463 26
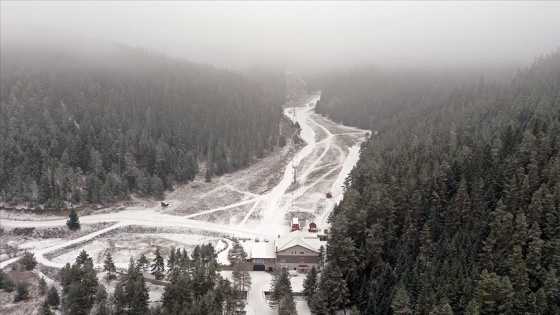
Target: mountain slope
454 205
92 126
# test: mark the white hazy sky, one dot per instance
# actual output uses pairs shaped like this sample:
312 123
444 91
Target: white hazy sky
303 34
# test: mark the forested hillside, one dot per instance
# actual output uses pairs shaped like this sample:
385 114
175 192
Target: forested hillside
365 97
92 126
454 205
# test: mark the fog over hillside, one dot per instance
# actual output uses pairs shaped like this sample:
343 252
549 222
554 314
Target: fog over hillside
304 35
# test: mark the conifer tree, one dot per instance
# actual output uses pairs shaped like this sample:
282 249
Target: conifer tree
310 283
519 280
236 253
119 299
472 308
158 266
534 254
101 300
319 304
401 302
241 276
22 292
42 286
171 262
143 262
53 298
333 288
322 257
280 286
28 260
442 308
79 283
109 266
287 306
73 221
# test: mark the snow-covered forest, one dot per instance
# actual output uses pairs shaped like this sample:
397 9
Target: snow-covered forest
290 158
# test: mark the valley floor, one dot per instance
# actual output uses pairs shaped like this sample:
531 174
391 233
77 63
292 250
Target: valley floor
258 201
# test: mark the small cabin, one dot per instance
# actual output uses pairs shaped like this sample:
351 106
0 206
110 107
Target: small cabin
312 227
163 204
295 224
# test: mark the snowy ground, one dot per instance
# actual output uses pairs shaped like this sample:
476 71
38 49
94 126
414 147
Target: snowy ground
254 202
256 301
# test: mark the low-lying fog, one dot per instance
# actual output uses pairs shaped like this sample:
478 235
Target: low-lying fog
303 35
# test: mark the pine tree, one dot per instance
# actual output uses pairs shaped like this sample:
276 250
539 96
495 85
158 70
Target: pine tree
534 254
236 253
143 262
171 263
73 221
489 291
401 302
22 292
321 262
310 283
505 296
102 302
333 288
79 283
28 261
280 286
109 266
238 257
241 276
443 308
287 306
519 280
158 266
6 282
472 308
551 288
42 286
319 304
53 298
156 185
119 299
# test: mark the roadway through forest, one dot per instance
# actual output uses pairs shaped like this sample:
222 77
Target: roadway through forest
272 207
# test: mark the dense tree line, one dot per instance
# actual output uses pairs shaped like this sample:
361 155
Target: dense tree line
364 97
453 207
195 285
96 126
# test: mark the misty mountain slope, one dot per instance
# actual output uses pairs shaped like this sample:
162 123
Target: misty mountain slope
91 126
366 97
454 206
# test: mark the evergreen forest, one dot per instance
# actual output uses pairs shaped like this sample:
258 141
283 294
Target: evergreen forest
453 207
93 126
